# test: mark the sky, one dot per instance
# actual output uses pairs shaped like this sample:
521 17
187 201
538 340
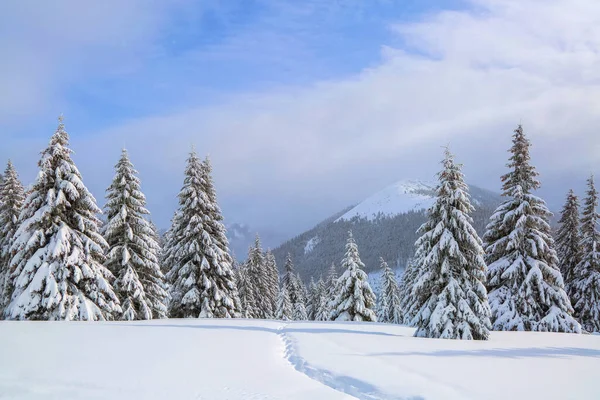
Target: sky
304 107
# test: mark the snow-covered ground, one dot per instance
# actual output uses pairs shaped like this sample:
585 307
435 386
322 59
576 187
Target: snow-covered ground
251 359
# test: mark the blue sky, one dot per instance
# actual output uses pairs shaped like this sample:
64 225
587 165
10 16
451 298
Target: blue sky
305 107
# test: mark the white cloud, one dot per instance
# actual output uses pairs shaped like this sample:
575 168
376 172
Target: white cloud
466 78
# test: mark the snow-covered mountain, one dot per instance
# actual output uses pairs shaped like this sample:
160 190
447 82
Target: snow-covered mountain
384 225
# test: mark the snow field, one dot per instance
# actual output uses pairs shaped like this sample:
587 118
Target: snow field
254 359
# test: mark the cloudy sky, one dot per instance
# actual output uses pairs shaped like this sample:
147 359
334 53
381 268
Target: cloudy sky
305 107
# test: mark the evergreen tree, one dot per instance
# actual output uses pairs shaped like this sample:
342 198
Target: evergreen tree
526 289
586 285
12 197
272 278
293 285
568 241
284 306
57 268
331 286
200 270
449 290
313 301
355 300
389 309
407 300
258 272
133 254
246 293
322 311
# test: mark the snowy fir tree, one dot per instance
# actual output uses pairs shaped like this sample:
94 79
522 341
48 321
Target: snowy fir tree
568 241
284 306
449 289
258 273
322 311
246 293
12 197
313 301
133 254
293 286
331 286
389 309
355 300
586 284
272 275
58 251
200 272
407 300
526 289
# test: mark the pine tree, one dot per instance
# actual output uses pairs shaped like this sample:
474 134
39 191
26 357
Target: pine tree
246 293
568 241
200 270
258 273
389 309
272 280
293 285
12 197
586 284
407 300
449 290
355 300
284 306
133 254
313 301
331 286
526 289
322 313
58 252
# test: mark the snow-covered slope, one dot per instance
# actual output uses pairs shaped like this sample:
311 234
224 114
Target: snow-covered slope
253 359
399 198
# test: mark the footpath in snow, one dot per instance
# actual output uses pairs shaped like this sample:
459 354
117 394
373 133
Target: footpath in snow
252 359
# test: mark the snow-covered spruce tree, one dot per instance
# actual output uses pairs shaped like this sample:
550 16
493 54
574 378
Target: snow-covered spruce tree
133 253
284 306
389 297
256 268
292 285
586 285
246 293
568 241
355 300
313 301
200 273
58 252
525 287
331 287
407 300
449 289
12 197
322 312
272 280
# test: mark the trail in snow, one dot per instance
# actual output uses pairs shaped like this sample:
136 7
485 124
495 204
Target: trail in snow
345 384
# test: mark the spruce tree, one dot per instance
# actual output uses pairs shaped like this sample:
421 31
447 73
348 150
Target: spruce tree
272 280
355 300
57 268
449 290
526 289
133 254
292 285
568 241
246 293
322 312
586 285
258 273
200 271
313 304
407 300
389 309
12 197
284 306
331 285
